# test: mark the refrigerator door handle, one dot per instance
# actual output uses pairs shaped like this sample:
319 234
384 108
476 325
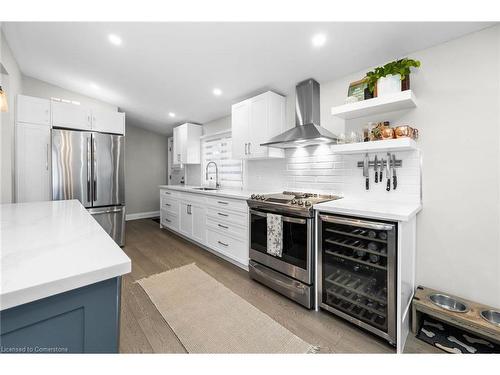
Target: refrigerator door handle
95 168
89 158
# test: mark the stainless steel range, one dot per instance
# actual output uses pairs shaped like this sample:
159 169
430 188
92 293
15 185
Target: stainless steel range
291 274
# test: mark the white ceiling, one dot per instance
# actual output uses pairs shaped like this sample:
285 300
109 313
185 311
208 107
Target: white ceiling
173 67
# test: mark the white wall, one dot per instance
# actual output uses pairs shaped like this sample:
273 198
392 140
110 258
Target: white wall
458 93
41 89
218 125
145 168
13 85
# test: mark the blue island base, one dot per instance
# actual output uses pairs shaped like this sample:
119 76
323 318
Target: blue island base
83 320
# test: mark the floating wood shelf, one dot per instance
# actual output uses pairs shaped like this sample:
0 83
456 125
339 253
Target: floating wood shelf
388 145
390 103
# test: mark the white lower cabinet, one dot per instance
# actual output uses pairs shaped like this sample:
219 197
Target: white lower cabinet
219 224
192 221
199 223
228 245
169 220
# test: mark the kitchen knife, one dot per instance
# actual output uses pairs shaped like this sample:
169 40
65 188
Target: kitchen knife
394 178
388 172
366 172
375 166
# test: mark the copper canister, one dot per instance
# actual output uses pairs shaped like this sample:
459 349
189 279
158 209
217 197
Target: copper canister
404 131
387 133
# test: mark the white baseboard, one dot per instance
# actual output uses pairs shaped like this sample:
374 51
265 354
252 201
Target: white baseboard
142 215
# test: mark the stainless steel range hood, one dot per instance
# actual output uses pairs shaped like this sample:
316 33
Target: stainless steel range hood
307 130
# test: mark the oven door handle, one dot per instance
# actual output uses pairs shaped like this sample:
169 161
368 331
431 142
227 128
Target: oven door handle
283 218
356 223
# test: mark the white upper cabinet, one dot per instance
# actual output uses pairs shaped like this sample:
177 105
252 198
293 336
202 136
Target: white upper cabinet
240 129
255 121
33 110
69 115
186 148
108 122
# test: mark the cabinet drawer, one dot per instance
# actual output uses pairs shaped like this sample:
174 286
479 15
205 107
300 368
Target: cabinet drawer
228 228
230 247
169 220
169 193
170 204
228 216
228 204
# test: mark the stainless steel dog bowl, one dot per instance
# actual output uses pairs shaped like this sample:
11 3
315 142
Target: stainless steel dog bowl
448 303
491 316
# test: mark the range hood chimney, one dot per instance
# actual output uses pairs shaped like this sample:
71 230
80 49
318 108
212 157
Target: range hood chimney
307 130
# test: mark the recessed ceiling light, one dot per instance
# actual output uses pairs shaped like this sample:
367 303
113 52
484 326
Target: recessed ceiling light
171 114
115 39
318 40
217 92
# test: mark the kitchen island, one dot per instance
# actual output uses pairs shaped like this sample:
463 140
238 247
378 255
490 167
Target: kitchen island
60 280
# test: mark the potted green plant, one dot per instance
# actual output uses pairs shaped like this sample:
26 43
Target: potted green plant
387 79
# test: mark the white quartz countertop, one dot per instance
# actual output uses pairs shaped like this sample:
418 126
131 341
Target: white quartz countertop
225 193
375 210
53 247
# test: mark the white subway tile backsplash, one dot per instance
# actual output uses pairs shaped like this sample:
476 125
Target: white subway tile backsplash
317 169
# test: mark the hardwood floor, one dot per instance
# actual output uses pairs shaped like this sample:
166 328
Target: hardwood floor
154 250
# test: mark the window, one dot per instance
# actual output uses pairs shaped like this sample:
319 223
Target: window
217 148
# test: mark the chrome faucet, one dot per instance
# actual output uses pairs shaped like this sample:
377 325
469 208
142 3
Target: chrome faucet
217 185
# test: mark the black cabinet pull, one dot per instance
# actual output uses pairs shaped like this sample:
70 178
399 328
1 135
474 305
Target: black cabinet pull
222 243
221 214
222 226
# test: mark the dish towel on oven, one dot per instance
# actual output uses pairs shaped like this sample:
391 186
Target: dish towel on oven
274 235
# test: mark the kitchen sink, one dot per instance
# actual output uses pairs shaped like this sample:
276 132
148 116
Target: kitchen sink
205 188
491 316
448 303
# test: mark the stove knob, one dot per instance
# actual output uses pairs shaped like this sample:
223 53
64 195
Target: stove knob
262 197
257 196
300 203
307 203
252 196
293 201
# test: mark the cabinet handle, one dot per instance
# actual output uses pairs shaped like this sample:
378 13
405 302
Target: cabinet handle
222 202
47 160
249 149
167 204
222 243
94 148
89 168
221 214
167 220
223 226
246 152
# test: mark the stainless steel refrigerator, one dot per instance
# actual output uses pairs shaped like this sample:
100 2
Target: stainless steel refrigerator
88 166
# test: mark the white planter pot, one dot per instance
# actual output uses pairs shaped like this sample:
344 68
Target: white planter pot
389 85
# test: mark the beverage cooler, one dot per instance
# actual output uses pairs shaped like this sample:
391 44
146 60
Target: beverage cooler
357 271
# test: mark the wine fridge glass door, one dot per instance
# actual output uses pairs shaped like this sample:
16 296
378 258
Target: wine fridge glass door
357 270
